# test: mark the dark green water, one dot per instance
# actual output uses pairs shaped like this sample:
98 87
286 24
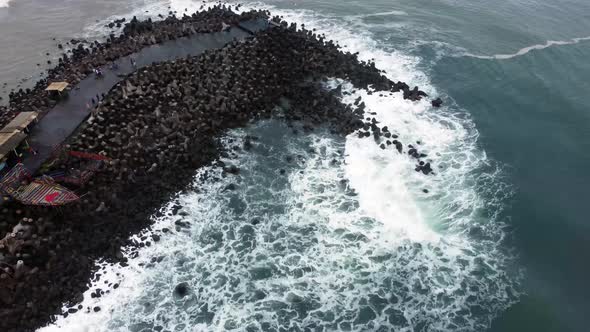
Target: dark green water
532 116
532 113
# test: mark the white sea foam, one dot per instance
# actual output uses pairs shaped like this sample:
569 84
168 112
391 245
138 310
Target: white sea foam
528 49
144 9
5 3
346 240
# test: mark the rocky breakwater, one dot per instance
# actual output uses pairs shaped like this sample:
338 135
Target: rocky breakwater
78 62
158 126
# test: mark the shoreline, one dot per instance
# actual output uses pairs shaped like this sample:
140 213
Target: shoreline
158 128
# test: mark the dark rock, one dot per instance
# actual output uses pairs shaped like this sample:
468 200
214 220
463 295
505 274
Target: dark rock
398 146
181 290
437 102
232 169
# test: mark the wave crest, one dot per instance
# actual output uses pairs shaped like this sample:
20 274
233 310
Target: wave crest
528 49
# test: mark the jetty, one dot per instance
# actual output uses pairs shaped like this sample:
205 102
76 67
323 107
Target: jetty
44 134
61 121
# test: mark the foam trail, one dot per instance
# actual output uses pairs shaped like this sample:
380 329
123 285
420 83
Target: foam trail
528 49
393 12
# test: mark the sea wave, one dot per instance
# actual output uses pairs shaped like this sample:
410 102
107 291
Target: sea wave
528 49
351 237
143 10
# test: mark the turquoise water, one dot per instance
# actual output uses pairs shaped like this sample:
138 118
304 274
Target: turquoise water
499 243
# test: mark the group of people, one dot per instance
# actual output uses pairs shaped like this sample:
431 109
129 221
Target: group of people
98 73
114 66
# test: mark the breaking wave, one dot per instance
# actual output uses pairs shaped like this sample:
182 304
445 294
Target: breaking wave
348 236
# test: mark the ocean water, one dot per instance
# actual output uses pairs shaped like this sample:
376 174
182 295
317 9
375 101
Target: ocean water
346 238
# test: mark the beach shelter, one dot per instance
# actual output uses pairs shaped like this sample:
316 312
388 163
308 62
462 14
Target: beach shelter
57 88
9 141
21 122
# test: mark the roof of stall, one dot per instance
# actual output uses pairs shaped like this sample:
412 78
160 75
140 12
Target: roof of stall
57 86
20 122
9 141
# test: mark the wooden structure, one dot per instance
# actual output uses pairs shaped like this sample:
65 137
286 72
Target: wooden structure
9 141
14 133
57 88
21 122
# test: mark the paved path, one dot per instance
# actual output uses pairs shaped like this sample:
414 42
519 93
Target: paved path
61 121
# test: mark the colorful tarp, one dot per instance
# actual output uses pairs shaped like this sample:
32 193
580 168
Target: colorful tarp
44 192
20 122
13 179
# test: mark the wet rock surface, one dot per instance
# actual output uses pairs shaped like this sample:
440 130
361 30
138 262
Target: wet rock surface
158 126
